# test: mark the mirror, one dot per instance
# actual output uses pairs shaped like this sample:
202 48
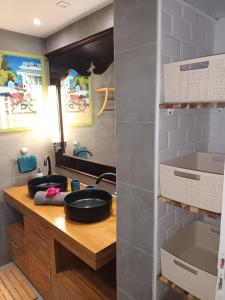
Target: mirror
88 105
84 75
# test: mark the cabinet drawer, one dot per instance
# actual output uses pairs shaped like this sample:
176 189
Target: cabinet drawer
37 226
38 247
18 246
40 276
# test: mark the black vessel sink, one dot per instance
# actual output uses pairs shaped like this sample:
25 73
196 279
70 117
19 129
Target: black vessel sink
43 183
88 205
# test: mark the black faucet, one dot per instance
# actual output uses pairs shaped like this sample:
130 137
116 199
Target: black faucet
105 175
47 161
86 151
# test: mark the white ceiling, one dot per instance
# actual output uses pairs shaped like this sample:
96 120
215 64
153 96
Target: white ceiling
18 15
213 8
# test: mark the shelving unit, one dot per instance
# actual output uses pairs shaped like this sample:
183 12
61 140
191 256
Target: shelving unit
171 260
196 105
192 209
177 289
107 92
191 77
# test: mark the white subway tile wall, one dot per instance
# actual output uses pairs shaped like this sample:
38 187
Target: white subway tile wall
216 141
182 132
186 33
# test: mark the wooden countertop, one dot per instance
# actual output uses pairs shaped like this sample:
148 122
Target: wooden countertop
94 243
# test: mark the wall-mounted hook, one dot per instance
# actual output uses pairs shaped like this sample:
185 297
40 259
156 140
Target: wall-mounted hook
24 151
169 112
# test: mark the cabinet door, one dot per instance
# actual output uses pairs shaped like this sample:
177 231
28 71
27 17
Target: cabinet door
39 257
38 247
40 276
18 246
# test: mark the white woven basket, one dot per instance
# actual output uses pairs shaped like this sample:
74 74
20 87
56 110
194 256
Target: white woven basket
189 259
195 80
195 180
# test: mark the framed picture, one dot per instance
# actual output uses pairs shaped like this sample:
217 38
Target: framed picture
76 100
22 89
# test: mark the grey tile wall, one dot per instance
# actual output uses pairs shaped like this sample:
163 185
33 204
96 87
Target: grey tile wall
141 30
13 41
135 154
216 132
38 143
81 29
123 296
135 221
135 271
135 77
129 65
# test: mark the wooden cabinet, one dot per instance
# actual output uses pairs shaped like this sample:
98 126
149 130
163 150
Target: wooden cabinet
38 247
18 246
53 269
30 250
62 259
40 276
39 257
37 226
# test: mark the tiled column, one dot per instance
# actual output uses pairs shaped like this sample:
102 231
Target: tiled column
135 77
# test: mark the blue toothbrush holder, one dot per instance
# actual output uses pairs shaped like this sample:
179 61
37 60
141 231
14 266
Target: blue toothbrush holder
90 187
75 185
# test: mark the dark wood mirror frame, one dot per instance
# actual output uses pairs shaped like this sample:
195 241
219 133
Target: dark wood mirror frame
98 50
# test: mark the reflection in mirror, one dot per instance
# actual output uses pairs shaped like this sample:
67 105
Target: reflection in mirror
88 107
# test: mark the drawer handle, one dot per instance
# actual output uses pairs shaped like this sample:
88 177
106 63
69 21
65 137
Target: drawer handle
14 245
195 66
183 266
219 158
187 175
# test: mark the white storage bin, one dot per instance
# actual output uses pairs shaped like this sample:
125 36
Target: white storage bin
195 180
196 80
189 259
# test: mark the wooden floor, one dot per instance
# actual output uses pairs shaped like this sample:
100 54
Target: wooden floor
13 286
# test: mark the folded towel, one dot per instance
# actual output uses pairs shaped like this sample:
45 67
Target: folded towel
27 163
41 199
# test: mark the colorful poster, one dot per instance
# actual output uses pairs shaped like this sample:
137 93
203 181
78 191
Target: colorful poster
21 91
76 99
